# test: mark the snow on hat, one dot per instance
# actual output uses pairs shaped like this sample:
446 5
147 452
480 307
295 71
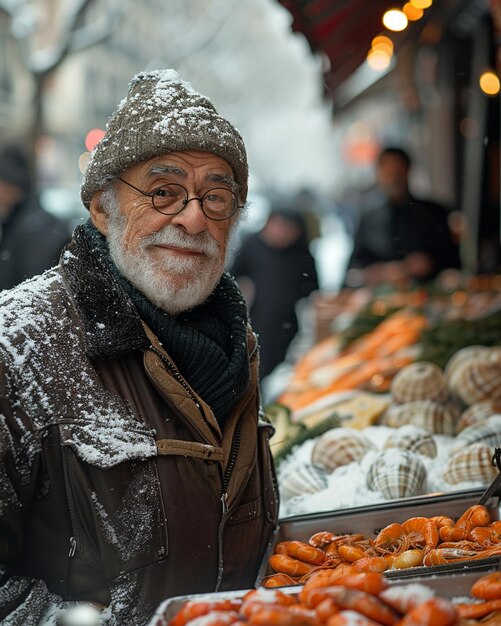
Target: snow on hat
162 114
14 165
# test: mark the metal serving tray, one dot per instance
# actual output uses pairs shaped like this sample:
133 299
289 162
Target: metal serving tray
447 584
370 520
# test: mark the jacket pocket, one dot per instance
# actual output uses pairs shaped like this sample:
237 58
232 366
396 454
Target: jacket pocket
246 512
113 496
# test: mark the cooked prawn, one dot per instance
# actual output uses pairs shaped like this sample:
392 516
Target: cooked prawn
481 609
300 550
350 618
409 558
278 580
283 616
287 565
476 515
215 618
487 587
353 599
433 612
193 609
391 539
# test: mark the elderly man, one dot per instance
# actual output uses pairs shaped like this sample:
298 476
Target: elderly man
134 463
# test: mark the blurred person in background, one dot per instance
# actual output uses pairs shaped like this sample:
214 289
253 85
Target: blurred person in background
402 239
275 269
134 463
31 239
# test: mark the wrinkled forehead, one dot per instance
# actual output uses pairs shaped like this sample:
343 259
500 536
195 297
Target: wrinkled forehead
185 164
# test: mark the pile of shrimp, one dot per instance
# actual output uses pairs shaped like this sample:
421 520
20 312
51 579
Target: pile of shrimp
419 541
486 592
354 598
327 598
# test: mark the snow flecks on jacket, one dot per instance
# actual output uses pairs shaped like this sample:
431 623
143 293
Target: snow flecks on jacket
130 530
91 418
39 607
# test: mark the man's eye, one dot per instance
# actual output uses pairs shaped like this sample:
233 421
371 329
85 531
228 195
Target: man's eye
213 197
163 192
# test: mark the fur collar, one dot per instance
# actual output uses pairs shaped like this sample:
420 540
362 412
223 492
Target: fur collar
111 324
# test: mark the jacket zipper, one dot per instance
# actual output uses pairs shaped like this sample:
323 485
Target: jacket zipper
71 506
177 375
235 446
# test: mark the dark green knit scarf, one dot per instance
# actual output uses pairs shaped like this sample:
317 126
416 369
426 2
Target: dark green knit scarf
208 344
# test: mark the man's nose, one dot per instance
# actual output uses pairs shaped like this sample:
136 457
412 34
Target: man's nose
191 218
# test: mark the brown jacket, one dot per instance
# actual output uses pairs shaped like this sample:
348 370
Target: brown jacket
116 483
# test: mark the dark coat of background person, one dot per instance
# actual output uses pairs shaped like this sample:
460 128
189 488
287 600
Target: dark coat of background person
30 238
395 224
281 276
390 232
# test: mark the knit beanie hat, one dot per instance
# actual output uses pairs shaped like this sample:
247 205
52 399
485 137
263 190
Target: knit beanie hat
162 113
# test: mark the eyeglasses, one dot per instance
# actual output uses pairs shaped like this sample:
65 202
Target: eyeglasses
217 204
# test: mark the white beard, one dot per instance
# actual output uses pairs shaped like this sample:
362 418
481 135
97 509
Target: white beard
173 284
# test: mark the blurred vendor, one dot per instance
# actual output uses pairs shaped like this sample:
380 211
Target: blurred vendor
402 239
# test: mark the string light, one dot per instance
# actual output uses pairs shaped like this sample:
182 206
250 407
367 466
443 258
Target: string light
489 83
378 59
395 20
411 12
384 43
421 4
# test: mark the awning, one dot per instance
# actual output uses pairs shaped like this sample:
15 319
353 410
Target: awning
342 30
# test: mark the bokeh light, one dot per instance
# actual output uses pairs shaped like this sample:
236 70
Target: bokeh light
411 12
395 20
489 83
378 59
384 43
421 4
93 137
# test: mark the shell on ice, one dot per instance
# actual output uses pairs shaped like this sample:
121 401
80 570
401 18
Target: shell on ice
459 358
478 379
477 413
413 438
419 381
473 463
433 417
303 479
397 474
338 447
488 433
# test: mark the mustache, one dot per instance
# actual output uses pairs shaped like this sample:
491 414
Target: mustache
171 235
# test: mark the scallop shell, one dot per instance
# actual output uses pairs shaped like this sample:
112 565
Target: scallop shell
419 381
473 463
433 417
413 438
397 474
340 446
477 413
478 379
463 356
488 433
303 479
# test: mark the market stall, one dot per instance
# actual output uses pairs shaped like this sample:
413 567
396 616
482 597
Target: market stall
401 399
385 473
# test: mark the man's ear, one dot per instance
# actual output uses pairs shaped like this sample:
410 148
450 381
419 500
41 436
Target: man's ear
98 215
